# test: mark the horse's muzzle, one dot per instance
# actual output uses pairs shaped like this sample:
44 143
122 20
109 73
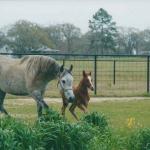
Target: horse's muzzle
71 99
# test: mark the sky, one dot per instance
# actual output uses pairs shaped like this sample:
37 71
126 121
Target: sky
126 13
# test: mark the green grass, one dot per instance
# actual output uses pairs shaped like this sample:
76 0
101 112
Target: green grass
110 125
117 112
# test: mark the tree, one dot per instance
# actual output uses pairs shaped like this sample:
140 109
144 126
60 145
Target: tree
56 36
103 31
2 39
70 33
128 40
145 41
25 36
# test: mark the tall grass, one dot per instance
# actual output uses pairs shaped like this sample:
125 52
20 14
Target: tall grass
52 132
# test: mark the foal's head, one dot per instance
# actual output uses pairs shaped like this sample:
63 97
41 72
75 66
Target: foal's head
87 80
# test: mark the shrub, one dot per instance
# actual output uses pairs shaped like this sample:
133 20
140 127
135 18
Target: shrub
65 136
96 119
22 134
51 131
7 140
139 140
51 116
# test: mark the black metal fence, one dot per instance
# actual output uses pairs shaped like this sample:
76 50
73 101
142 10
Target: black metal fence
113 75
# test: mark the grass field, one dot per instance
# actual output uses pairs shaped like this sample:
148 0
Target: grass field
128 120
109 125
118 112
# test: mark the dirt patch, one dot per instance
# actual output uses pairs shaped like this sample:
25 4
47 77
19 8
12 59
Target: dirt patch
29 101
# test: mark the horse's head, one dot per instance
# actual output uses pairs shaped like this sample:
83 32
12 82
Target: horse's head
87 79
65 82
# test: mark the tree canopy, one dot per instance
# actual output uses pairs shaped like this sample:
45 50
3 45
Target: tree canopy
103 30
25 36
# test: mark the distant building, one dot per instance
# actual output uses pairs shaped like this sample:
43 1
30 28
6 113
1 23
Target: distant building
134 52
44 50
5 49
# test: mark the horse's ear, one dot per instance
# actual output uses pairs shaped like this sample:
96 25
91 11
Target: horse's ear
84 74
90 73
62 68
71 67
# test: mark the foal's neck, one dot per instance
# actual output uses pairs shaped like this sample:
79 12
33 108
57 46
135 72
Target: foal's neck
82 87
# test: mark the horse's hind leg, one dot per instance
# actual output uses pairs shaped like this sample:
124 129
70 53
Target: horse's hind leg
2 96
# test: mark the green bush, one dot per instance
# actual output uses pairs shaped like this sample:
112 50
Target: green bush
7 140
52 132
139 140
22 135
51 116
65 136
96 119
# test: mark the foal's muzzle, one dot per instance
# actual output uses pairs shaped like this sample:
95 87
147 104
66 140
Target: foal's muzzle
92 88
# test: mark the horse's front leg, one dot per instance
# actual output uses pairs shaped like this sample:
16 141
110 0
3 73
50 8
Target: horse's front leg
2 97
37 96
63 109
39 110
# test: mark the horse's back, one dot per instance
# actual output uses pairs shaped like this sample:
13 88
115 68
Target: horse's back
20 76
12 76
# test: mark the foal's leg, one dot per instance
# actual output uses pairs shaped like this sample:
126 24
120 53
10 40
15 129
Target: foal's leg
37 96
82 108
2 96
72 109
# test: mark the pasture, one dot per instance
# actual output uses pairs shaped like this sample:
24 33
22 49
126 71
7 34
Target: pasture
118 112
130 75
117 125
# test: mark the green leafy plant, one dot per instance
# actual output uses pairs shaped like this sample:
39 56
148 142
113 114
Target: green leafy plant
139 140
96 119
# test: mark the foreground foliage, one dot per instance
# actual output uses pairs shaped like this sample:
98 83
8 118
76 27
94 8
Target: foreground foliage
52 132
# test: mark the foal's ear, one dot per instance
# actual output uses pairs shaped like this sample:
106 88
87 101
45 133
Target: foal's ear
62 68
90 73
84 74
71 67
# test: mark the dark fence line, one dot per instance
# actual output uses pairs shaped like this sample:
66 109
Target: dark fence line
70 54
114 75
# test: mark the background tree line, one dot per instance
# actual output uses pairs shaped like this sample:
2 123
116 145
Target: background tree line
103 37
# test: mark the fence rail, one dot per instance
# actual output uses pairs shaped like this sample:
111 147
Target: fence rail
114 75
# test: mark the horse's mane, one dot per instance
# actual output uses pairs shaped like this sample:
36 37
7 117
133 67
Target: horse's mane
40 64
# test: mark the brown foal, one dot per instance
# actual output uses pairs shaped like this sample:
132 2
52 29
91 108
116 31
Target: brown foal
81 95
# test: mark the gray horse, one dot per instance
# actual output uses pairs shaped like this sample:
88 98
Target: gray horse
30 75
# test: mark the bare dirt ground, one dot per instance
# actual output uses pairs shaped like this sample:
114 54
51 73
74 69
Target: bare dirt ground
92 100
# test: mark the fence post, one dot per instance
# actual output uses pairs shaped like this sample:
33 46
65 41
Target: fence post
95 74
114 72
148 74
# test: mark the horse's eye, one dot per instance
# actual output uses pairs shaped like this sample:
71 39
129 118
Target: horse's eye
63 81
